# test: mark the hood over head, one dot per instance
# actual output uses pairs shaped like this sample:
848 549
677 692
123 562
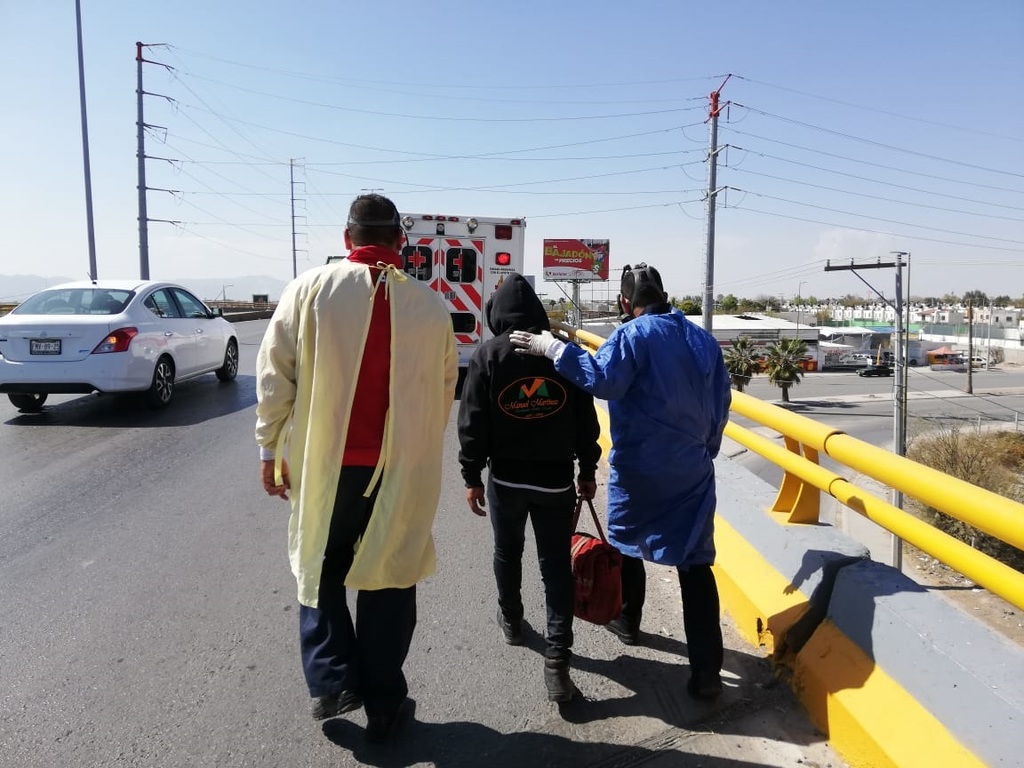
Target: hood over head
515 307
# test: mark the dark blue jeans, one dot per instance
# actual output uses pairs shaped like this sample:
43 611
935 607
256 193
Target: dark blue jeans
365 656
551 515
701 610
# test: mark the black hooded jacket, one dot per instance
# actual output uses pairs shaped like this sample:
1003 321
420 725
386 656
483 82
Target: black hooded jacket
517 414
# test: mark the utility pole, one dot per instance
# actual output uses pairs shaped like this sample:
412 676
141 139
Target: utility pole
708 304
988 349
141 126
970 347
292 183
91 232
906 343
291 186
799 302
899 438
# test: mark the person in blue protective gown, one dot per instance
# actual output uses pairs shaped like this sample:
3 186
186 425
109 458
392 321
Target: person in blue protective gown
668 396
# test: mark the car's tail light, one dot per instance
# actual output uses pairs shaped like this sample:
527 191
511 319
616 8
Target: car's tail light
503 231
118 341
502 259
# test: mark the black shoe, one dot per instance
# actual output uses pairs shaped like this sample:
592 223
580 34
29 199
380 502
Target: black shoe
336 704
382 728
556 679
512 630
704 686
621 629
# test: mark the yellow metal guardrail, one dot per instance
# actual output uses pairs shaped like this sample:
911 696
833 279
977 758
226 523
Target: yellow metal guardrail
799 496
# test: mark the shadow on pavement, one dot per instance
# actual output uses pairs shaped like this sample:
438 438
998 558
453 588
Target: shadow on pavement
195 401
469 745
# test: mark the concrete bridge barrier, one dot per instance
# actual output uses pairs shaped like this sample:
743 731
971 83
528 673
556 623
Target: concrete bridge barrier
892 673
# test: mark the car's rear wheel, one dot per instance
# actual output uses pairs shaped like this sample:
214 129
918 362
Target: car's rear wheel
28 402
229 370
161 390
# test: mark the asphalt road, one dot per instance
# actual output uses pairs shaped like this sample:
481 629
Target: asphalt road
149 619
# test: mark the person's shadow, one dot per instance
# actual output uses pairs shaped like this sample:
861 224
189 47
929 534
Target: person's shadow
657 688
471 745
850 604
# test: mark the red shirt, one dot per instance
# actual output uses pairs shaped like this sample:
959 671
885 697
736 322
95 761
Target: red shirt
370 403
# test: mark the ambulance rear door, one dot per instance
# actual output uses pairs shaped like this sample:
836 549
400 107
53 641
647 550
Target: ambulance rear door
453 267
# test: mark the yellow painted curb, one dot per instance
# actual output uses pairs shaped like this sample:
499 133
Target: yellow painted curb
868 717
762 604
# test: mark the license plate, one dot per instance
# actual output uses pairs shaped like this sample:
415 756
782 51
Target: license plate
44 346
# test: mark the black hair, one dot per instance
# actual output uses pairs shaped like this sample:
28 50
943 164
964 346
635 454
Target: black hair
641 286
373 220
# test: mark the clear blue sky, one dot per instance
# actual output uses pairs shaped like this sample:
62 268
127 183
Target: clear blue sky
586 118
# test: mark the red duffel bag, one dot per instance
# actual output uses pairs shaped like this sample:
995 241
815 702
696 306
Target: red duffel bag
597 572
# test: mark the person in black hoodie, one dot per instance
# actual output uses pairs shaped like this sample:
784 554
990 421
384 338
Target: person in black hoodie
529 425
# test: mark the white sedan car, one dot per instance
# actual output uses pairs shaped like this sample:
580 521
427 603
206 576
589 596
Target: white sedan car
111 336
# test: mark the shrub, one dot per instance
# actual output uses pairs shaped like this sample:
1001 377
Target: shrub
991 460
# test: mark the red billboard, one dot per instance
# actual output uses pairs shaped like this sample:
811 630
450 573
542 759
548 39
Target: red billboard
583 260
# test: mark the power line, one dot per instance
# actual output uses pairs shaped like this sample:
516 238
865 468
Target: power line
876 165
876 197
489 87
219 175
879 218
880 144
874 181
499 187
453 97
225 222
611 210
780 275
903 235
453 119
879 111
181 109
230 247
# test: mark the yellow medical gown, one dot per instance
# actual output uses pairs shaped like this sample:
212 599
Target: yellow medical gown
306 372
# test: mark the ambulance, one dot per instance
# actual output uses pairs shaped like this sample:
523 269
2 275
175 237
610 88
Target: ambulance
463 259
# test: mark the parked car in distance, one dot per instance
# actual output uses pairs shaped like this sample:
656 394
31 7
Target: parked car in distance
111 336
979 362
875 370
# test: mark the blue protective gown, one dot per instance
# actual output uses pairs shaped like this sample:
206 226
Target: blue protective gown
668 396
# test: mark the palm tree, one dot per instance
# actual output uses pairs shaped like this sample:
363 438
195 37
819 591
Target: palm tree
783 364
741 361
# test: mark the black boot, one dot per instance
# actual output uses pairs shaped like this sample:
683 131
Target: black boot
624 630
556 678
511 630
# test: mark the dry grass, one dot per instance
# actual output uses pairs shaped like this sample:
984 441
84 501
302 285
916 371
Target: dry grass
990 460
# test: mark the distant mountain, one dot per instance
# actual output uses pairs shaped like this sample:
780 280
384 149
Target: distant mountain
15 288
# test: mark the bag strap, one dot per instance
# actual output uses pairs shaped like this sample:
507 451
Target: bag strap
593 514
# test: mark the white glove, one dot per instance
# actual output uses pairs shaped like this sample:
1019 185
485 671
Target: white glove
542 344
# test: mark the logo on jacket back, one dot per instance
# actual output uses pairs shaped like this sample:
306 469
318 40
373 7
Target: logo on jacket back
533 398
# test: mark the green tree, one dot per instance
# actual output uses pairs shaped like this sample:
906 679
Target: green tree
1002 301
688 306
783 364
975 298
729 304
741 361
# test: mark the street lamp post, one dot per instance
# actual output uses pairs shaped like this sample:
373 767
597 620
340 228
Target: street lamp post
90 229
224 292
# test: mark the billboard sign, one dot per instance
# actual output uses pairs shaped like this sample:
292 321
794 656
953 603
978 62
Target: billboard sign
583 260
